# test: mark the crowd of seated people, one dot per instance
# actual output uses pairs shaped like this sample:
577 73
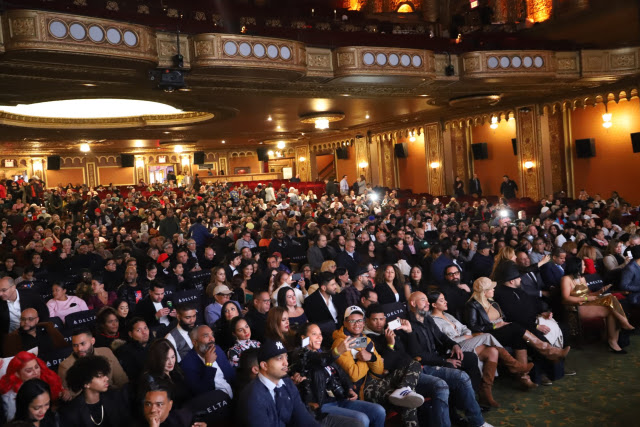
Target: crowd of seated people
220 307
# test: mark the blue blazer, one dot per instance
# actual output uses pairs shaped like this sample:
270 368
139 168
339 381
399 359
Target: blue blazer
201 378
256 407
630 281
551 274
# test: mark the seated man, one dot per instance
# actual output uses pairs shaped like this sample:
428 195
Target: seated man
272 399
156 310
158 409
442 359
481 264
213 311
319 306
257 315
179 336
366 368
457 294
133 354
205 366
32 333
630 278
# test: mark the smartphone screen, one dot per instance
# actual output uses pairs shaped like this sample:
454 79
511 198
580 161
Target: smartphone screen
394 324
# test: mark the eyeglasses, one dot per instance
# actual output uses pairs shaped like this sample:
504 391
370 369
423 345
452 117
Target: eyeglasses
356 322
456 273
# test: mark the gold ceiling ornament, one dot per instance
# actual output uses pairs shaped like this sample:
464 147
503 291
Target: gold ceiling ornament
322 120
475 100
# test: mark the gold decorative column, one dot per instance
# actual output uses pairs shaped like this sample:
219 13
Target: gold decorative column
529 152
92 180
224 165
556 146
461 152
433 144
363 159
388 171
303 163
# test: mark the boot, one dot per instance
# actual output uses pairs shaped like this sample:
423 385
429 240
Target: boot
524 379
488 375
544 348
512 364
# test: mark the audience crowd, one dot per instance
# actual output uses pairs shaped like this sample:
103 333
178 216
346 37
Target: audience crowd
220 304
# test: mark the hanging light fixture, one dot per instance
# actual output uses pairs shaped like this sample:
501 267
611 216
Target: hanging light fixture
280 145
494 122
606 118
412 136
85 148
321 120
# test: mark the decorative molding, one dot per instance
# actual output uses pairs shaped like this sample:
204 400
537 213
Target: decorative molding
303 168
460 153
387 61
508 63
91 174
319 62
590 99
613 62
167 48
556 146
529 149
78 35
434 149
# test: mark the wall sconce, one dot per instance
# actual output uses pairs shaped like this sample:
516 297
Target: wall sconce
37 165
85 148
434 165
363 165
270 153
528 165
494 122
606 118
280 145
139 163
302 159
185 161
412 137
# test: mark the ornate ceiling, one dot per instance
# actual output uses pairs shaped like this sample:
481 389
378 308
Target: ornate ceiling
257 87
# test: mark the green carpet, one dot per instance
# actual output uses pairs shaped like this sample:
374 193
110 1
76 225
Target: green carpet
605 392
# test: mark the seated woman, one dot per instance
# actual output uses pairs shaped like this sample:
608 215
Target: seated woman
614 262
23 367
221 328
415 282
488 349
161 363
107 327
61 305
287 299
277 327
99 296
242 333
96 404
389 285
482 314
588 255
33 404
327 387
593 304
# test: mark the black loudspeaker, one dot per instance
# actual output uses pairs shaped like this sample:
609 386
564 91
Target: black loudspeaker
198 158
480 151
126 160
342 153
635 142
53 163
585 148
402 150
262 154
514 143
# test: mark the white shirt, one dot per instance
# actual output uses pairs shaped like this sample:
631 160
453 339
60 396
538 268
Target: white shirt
14 313
219 381
332 308
270 385
164 319
185 335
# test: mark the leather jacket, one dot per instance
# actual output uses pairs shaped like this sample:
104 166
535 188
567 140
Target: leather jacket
477 318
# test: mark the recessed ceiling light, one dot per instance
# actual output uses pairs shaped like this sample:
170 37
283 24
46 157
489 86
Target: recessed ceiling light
423 95
366 117
345 94
279 127
224 142
89 84
269 119
166 132
260 143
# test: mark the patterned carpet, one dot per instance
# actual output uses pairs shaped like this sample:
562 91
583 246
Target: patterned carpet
605 392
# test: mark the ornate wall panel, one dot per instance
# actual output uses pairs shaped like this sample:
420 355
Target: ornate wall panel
434 153
556 143
362 155
361 60
386 155
460 153
222 161
168 49
615 62
92 179
529 150
303 168
508 63
319 62
39 30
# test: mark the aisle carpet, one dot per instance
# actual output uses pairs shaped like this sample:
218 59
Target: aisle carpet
605 392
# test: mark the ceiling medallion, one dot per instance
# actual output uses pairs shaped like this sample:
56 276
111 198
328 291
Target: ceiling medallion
97 114
322 120
475 100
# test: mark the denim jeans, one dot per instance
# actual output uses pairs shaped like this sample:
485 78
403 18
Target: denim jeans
370 414
439 383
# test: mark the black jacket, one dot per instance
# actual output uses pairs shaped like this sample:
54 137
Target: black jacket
316 366
129 294
147 311
115 404
519 307
476 317
132 356
28 299
428 342
316 309
257 322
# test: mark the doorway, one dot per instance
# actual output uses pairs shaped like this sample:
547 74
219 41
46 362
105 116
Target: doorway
325 166
158 173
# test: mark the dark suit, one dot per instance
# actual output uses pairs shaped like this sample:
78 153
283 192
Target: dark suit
28 299
551 274
475 187
201 378
532 284
257 407
317 312
352 264
147 311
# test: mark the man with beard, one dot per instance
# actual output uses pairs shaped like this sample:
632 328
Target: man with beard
319 306
457 294
449 255
133 354
179 336
257 315
206 367
82 342
130 290
481 265
32 334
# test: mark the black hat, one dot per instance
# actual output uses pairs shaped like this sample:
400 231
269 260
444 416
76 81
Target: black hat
509 272
423 245
451 222
483 244
360 271
270 349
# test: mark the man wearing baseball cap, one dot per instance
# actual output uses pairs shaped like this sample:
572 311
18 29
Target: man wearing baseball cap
366 369
272 399
213 311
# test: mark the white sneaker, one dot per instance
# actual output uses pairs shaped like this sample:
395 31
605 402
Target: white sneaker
486 424
406 398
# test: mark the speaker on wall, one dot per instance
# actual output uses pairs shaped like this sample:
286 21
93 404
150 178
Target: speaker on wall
480 151
126 160
585 148
402 150
262 154
635 142
53 163
342 153
514 143
198 158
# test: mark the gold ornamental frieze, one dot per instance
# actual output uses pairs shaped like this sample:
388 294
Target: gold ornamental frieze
508 64
386 62
73 34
